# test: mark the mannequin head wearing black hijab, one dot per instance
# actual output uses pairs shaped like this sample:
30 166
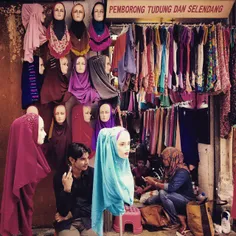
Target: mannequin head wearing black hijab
77 25
59 24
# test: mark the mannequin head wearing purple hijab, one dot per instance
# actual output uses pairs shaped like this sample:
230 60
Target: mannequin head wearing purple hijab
80 85
105 120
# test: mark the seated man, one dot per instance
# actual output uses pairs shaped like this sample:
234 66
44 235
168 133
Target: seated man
175 189
73 192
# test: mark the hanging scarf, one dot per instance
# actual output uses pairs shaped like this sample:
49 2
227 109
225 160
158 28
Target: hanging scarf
59 38
25 167
175 159
115 174
79 38
55 85
80 86
35 34
100 79
82 132
100 125
31 82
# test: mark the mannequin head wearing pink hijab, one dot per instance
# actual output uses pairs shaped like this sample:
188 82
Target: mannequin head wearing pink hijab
32 18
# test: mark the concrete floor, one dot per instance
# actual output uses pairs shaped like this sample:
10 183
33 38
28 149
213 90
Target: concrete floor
50 232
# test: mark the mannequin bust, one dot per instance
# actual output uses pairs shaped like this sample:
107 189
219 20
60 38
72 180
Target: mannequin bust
105 112
80 85
59 11
57 33
41 66
64 65
26 166
32 18
123 144
78 31
98 12
112 164
99 33
80 65
78 13
60 114
59 138
87 113
105 120
32 109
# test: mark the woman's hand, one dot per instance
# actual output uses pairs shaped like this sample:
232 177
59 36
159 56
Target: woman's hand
60 218
150 180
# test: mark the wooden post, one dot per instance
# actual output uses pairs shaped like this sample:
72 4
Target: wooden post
121 226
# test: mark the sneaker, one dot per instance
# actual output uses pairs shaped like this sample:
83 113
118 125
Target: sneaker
225 222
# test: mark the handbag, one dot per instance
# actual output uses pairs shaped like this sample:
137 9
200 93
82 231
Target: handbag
199 219
154 215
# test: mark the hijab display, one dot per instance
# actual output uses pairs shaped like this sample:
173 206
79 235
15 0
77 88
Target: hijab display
99 75
31 81
80 85
99 33
112 168
25 167
105 120
58 34
35 35
78 31
59 138
82 132
55 85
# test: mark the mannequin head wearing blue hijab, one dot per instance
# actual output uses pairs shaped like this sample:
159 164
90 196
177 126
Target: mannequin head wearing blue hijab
113 181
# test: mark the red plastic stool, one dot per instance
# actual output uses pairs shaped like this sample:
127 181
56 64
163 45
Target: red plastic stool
131 216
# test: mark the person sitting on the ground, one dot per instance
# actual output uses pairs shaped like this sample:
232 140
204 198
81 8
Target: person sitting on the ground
140 171
73 192
175 189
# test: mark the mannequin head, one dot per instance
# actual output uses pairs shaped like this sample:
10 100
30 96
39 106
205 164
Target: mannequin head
43 16
80 65
59 11
41 66
60 114
64 65
98 11
123 143
41 132
32 109
107 65
77 12
87 113
105 112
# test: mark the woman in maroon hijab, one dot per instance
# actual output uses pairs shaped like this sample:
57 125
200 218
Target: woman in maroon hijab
25 167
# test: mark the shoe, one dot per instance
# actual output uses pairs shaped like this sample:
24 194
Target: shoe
225 222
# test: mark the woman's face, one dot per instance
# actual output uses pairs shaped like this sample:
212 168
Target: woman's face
87 113
78 13
41 131
165 161
98 12
105 112
80 65
107 65
41 66
60 114
59 11
123 144
64 65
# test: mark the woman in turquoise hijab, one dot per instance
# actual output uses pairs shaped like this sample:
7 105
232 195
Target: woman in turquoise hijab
113 184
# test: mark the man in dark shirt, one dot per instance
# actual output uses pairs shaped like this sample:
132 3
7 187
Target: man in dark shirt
73 192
